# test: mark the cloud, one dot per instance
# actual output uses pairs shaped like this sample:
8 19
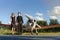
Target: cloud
39 18
39 14
9 23
53 17
55 11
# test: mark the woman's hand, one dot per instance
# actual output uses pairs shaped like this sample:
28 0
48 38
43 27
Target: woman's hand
16 23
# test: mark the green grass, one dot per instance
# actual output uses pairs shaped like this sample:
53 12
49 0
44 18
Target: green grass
42 34
7 31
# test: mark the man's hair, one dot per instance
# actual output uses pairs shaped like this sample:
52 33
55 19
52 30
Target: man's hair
19 12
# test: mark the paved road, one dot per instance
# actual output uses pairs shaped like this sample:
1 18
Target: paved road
9 37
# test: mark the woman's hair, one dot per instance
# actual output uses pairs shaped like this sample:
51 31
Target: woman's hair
12 14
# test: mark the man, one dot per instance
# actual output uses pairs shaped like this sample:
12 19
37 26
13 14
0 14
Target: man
20 22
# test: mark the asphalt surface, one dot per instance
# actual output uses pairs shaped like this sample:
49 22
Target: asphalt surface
16 37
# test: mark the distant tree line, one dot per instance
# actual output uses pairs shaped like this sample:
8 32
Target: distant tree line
53 22
44 23
0 22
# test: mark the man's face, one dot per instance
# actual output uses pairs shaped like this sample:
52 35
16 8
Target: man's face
19 14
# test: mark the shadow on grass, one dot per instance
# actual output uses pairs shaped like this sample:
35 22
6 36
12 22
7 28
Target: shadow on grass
10 34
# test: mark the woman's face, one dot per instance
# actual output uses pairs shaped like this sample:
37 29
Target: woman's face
13 14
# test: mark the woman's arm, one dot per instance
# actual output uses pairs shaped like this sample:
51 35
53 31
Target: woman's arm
10 19
22 19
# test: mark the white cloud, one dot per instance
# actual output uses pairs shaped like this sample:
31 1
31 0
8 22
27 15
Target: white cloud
53 17
39 14
39 18
9 23
55 11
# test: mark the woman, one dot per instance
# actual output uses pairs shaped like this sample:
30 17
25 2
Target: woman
13 22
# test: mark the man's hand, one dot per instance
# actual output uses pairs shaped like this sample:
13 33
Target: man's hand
16 23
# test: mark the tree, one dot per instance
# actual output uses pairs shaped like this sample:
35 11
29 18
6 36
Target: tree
42 23
53 22
0 22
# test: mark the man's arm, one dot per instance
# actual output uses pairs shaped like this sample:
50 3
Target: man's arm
22 19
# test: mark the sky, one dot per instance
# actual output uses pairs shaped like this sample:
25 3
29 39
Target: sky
39 9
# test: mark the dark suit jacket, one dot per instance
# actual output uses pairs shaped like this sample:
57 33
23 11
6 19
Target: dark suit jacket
19 19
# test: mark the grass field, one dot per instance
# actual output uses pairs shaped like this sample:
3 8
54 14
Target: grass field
7 31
